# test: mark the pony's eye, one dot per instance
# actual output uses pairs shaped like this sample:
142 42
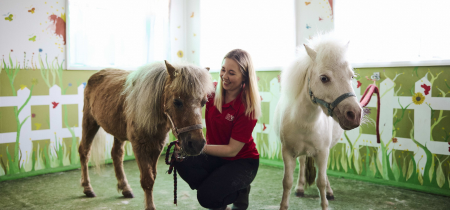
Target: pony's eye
324 79
178 103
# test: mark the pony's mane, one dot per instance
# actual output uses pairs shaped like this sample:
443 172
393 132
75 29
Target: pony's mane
330 50
144 90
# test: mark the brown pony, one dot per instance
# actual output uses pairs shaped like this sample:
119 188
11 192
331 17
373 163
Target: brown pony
139 106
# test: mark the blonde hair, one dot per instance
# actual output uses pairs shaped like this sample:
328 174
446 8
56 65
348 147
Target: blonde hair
250 95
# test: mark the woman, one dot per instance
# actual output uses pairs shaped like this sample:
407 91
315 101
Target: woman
224 174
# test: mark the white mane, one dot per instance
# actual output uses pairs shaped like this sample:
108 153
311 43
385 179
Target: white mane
330 50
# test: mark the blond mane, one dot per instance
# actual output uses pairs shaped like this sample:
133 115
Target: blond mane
144 90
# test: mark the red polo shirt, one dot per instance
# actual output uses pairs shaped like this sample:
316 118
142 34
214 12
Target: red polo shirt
231 123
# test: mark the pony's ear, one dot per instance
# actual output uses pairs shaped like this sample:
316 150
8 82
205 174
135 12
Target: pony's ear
312 54
170 69
207 68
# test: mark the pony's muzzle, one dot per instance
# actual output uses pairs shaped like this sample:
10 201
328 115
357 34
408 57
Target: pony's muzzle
193 146
352 116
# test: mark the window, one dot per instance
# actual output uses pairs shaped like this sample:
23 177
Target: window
120 34
395 33
264 28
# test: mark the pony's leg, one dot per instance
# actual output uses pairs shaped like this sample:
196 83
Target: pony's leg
117 153
330 195
147 158
300 190
289 166
90 128
321 160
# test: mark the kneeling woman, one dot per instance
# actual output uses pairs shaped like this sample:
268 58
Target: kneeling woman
223 175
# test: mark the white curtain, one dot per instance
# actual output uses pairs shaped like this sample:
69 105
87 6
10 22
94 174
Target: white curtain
120 34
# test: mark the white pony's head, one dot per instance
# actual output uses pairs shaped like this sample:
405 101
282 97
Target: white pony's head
330 80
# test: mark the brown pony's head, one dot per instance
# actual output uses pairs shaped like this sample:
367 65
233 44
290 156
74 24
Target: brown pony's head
159 90
185 93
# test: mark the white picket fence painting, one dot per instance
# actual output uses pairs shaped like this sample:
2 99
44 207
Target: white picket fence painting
56 132
422 119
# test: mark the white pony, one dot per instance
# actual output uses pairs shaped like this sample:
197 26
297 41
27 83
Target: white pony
317 102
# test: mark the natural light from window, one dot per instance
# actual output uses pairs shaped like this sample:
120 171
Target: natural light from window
120 34
406 32
264 28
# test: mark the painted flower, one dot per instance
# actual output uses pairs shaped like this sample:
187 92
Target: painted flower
70 84
33 115
366 110
359 84
40 49
426 88
264 128
394 140
418 98
180 53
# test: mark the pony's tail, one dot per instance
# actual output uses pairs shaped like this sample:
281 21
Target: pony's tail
98 150
310 172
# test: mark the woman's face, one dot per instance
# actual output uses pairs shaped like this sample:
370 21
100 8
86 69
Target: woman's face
231 75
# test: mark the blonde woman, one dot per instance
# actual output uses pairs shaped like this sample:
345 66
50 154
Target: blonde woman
223 175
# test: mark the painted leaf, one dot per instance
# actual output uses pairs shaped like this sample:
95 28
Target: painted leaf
410 170
344 160
360 165
356 163
404 167
420 178
431 171
338 166
379 166
440 177
448 180
373 169
333 162
329 162
396 170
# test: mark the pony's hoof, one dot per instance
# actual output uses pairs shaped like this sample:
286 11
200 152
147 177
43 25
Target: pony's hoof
330 197
300 194
128 194
90 194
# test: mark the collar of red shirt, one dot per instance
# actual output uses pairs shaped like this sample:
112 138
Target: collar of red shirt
234 103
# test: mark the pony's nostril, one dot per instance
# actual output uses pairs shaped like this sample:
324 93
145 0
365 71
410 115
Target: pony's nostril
190 144
350 115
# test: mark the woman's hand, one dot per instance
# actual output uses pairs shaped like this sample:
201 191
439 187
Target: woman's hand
230 150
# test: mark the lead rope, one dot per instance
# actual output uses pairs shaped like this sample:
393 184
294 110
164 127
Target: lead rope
365 99
171 164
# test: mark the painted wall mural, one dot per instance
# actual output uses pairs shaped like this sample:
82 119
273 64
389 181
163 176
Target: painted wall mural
40 113
40 116
41 103
33 27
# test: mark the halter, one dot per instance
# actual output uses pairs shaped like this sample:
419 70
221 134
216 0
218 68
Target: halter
176 131
329 106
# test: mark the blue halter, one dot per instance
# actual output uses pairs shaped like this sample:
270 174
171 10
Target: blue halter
329 106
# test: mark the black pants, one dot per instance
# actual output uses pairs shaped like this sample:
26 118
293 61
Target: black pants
216 180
